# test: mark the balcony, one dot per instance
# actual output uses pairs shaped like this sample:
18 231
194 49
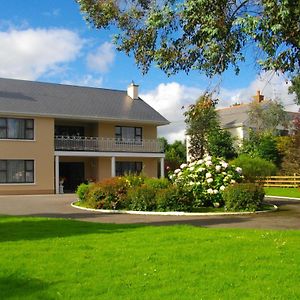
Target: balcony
95 144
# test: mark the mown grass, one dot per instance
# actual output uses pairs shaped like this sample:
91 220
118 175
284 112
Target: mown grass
283 192
62 259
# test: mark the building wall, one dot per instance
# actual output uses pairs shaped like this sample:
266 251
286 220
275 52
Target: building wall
41 150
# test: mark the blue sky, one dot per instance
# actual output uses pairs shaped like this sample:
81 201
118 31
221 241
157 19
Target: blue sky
49 41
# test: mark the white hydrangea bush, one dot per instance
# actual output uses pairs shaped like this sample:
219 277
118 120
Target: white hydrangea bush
206 179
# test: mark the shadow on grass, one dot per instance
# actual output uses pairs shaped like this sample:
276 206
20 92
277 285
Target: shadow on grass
16 287
28 228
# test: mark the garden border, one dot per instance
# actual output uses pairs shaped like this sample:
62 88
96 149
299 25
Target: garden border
282 197
171 213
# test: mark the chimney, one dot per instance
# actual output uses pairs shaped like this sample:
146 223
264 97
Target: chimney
258 97
133 91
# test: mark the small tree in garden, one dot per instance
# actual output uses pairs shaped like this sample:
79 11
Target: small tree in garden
201 120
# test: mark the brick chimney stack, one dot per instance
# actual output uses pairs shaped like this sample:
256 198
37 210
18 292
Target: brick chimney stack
258 97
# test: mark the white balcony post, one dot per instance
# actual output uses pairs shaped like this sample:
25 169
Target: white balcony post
113 166
57 174
162 167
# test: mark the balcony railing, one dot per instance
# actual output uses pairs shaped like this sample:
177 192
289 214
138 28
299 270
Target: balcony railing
78 143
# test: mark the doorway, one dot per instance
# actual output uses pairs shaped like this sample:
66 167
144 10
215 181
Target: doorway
73 174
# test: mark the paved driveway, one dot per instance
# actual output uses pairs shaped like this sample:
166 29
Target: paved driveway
287 217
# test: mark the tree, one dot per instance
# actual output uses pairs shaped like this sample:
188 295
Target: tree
265 117
202 34
295 88
175 154
289 147
220 144
201 120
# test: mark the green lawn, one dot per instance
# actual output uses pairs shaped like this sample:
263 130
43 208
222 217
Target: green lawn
62 259
283 192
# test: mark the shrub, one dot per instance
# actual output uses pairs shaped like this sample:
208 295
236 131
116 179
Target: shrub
81 191
243 196
254 167
134 179
173 198
157 183
108 194
205 179
142 198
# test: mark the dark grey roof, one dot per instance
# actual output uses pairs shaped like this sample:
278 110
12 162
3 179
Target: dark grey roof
234 116
20 97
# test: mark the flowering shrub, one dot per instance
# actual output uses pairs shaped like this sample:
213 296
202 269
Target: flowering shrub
206 178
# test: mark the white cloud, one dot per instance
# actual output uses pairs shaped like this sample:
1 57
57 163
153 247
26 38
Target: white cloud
168 99
271 85
101 59
30 53
86 80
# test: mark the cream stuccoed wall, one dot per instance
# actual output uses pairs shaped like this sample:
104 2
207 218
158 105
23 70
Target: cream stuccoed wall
41 150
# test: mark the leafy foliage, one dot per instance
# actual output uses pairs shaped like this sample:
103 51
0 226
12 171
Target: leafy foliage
81 191
220 144
254 167
205 35
243 196
201 120
295 88
289 148
262 146
175 154
265 117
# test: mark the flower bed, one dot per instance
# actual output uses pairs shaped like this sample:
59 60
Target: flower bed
196 185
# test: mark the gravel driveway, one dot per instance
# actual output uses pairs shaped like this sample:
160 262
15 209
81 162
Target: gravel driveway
287 217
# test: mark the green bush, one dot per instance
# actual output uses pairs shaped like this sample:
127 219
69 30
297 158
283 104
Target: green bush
254 167
157 183
243 196
81 191
173 198
108 194
134 179
142 198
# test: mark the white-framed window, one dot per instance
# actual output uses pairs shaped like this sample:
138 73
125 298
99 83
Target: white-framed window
16 129
16 171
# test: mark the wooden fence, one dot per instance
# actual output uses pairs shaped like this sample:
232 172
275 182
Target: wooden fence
281 181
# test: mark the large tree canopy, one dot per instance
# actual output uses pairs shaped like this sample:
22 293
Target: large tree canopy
202 34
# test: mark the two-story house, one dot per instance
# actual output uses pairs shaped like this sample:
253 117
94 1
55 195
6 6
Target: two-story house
54 133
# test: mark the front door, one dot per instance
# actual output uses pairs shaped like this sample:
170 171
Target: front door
73 175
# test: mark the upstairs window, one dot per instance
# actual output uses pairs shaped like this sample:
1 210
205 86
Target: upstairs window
19 129
126 134
16 171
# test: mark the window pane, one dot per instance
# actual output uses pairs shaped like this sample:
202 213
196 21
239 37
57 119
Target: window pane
29 134
3 133
2 122
29 165
138 131
16 128
2 165
2 177
118 130
29 176
15 172
128 133
29 124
